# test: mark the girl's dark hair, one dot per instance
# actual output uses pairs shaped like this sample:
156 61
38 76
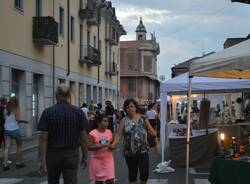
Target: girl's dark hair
239 100
3 100
123 114
12 105
99 105
99 117
84 105
128 101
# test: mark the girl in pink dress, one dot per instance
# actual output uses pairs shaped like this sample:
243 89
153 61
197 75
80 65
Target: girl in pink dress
101 167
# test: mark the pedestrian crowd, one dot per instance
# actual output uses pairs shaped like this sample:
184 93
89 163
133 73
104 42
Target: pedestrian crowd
66 128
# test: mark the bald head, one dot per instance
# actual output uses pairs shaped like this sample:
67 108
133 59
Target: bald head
62 92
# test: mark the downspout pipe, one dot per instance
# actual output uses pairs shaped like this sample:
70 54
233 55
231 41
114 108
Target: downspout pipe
98 36
53 62
68 37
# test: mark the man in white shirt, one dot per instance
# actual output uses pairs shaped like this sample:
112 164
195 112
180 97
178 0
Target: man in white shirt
85 109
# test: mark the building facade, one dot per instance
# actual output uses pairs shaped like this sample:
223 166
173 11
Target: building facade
138 76
45 43
233 41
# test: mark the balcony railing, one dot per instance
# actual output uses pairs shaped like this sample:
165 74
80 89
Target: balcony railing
111 36
89 55
90 13
45 30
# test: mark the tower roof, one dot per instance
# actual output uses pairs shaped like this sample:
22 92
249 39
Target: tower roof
141 27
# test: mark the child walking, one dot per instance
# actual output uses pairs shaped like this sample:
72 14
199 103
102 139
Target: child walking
101 168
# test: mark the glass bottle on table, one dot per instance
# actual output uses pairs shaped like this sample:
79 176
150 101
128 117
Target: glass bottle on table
233 149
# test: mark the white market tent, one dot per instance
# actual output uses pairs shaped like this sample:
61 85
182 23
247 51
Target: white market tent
179 85
233 62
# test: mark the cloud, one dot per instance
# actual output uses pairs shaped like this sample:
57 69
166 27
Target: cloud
175 51
133 13
184 28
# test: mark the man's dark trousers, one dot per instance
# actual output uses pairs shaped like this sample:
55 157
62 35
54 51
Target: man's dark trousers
62 161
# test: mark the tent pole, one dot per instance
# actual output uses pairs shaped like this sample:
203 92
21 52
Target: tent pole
188 128
163 113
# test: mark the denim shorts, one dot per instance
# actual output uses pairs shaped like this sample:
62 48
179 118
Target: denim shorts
13 134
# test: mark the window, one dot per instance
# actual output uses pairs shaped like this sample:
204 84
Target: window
81 41
14 83
61 81
72 29
88 38
94 41
110 57
19 4
131 85
39 5
88 95
61 23
95 96
132 61
148 64
106 58
81 94
72 86
106 93
113 33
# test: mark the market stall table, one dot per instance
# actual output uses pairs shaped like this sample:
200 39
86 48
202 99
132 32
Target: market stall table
202 147
225 171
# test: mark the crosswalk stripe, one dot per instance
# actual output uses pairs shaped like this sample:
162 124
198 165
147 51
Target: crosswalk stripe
201 181
45 182
157 181
192 171
150 181
93 182
10 180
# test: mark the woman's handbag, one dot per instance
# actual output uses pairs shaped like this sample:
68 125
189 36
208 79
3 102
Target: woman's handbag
151 138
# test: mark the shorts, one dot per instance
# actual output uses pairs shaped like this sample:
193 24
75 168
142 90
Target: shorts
13 134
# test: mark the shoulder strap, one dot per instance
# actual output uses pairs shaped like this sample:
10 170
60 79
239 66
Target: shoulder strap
144 117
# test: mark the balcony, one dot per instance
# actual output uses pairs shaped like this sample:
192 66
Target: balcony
111 37
90 13
45 30
89 55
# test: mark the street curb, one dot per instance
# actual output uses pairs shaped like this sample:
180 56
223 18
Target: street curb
24 150
32 141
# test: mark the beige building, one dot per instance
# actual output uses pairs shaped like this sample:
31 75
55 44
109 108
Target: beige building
47 42
139 67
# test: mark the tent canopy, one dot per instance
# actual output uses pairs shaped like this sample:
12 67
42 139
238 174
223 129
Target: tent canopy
233 62
179 85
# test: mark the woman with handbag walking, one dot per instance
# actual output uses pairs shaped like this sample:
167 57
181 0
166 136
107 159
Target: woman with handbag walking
135 129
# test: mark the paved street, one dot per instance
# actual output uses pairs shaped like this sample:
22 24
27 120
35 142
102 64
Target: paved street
29 175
